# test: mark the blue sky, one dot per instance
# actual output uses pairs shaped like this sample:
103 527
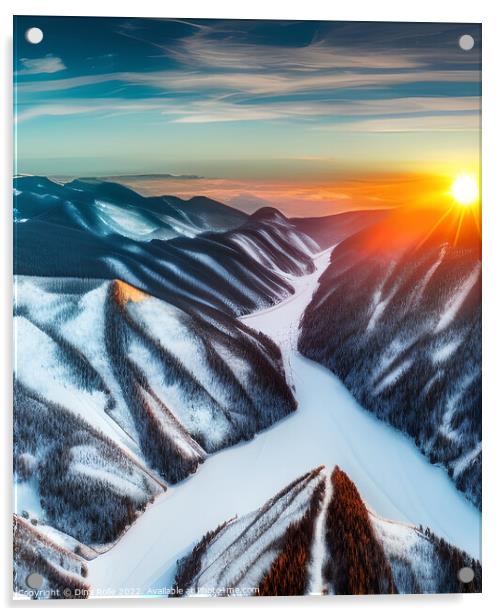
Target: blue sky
247 100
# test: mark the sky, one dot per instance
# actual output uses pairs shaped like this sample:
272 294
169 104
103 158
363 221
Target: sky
312 117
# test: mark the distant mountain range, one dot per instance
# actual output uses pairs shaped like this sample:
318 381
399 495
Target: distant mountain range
90 230
104 208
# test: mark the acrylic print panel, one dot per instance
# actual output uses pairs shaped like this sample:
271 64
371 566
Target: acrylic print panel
247 308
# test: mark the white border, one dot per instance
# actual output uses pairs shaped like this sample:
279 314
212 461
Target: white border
486 11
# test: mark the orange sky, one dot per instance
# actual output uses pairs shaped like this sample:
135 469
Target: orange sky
320 198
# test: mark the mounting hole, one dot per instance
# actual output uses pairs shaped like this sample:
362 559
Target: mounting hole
466 42
465 575
34 36
34 581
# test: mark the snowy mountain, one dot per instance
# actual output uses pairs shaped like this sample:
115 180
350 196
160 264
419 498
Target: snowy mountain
130 367
104 208
317 536
151 350
234 271
405 339
118 393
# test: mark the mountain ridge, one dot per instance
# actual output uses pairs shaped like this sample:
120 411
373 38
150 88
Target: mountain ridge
406 339
271 551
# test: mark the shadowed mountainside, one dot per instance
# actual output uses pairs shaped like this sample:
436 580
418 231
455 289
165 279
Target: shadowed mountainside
101 230
329 230
406 339
102 208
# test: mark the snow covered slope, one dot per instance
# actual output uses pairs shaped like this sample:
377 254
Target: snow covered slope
239 553
106 208
118 393
397 316
126 383
131 368
100 230
62 568
317 536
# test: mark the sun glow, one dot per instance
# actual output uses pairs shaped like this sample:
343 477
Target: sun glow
465 189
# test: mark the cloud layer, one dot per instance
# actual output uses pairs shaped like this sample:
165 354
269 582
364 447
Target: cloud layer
209 96
223 71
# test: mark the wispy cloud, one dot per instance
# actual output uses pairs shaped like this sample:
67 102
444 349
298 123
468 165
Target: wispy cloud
250 83
55 109
226 46
103 107
309 92
435 124
220 76
201 50
227 111
216 109
36 66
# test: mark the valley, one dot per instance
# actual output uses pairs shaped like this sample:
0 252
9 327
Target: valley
173 379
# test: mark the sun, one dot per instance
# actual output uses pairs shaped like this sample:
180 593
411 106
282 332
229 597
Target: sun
465 189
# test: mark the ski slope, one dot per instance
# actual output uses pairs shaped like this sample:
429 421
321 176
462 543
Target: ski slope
329 427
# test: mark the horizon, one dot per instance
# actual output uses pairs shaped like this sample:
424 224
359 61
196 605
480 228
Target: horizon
137 187
309 117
